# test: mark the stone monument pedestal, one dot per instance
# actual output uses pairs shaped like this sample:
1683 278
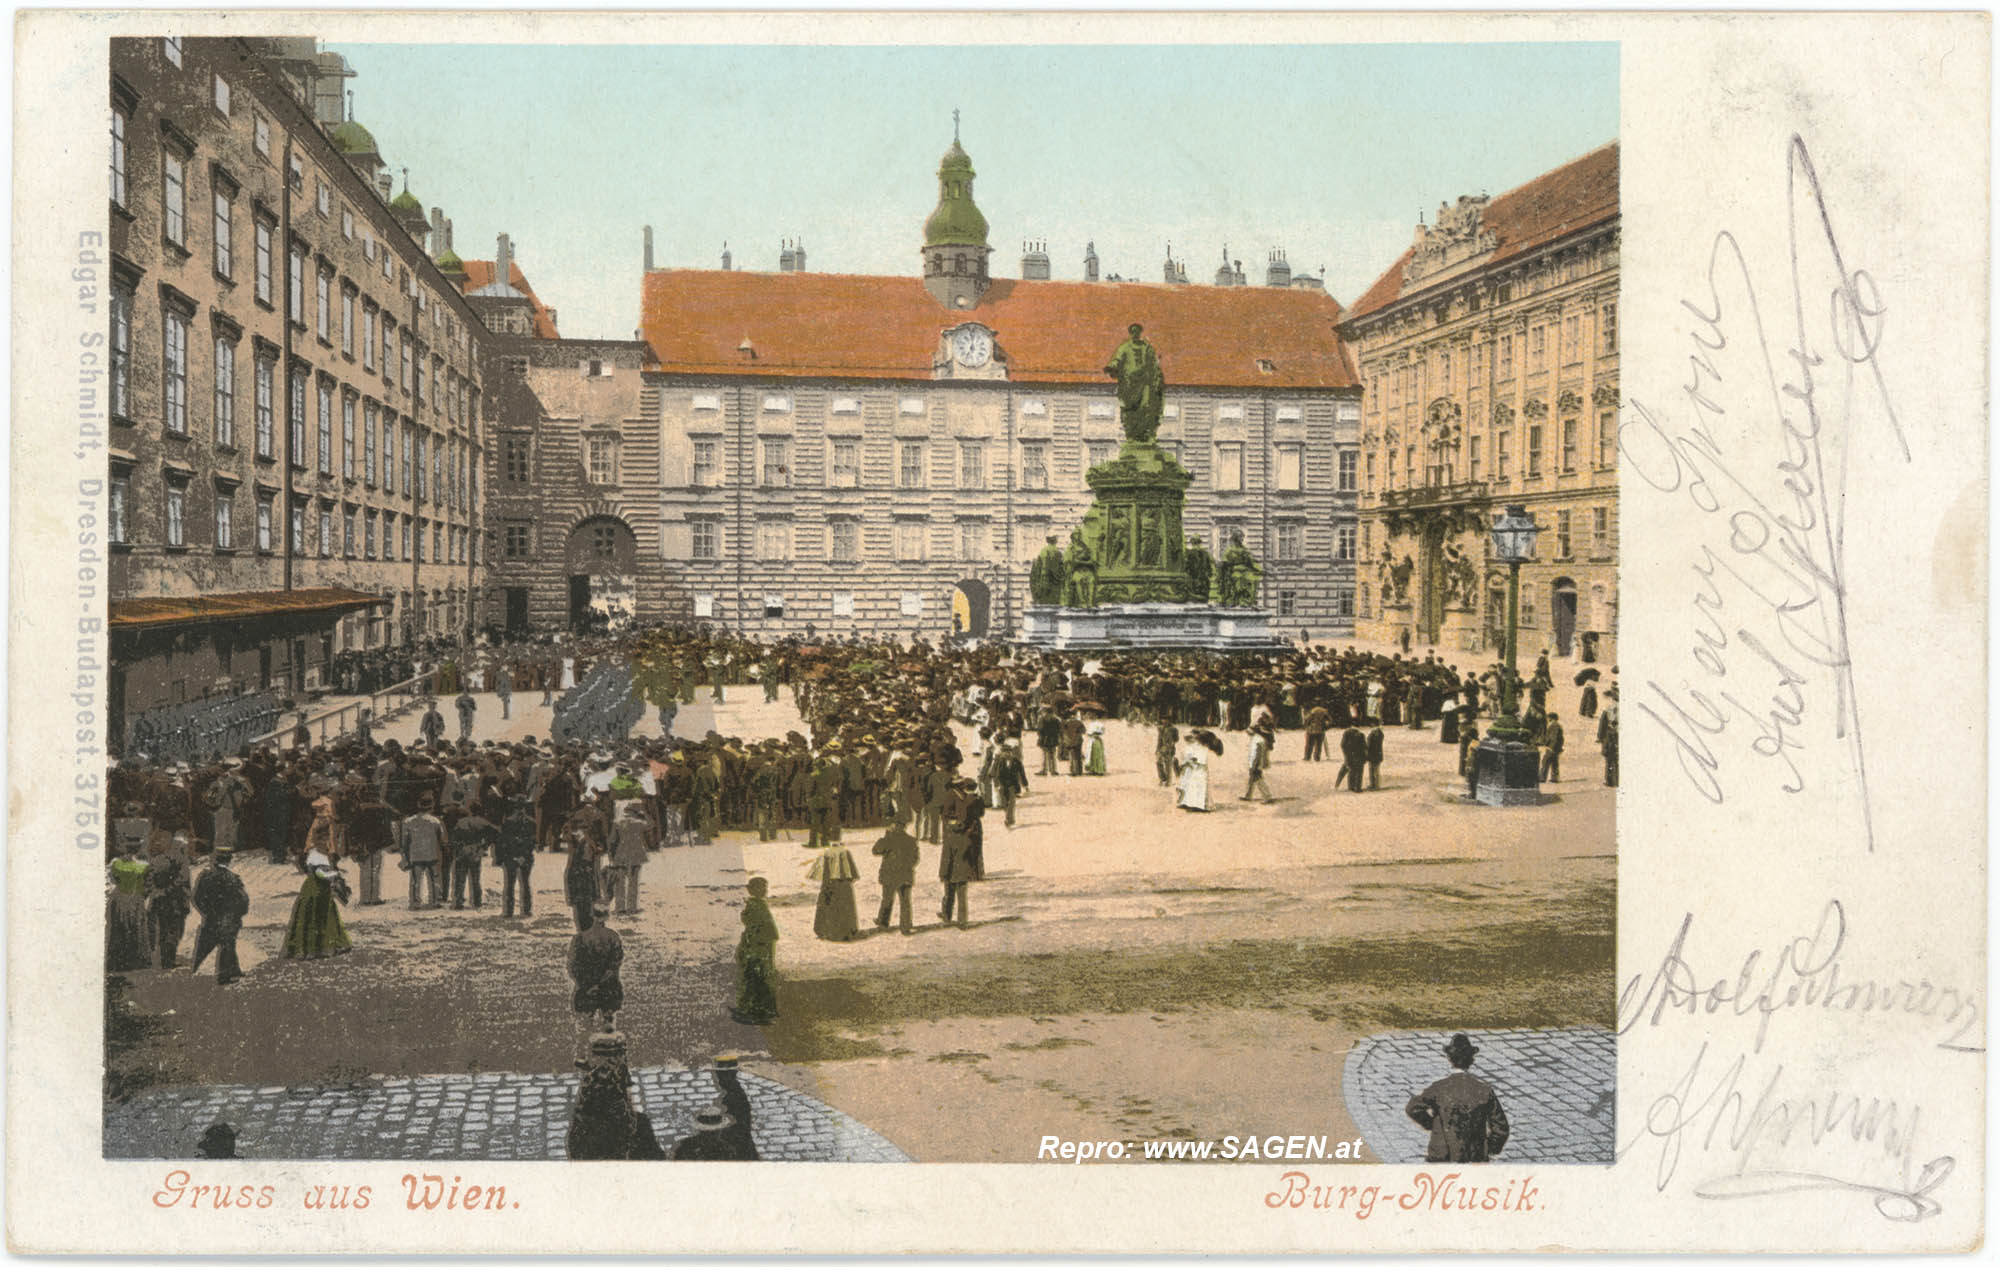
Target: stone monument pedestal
1509 773
1160 626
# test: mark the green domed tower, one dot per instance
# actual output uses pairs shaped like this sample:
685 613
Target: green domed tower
955 250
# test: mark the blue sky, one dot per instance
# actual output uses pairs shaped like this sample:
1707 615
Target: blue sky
1328 151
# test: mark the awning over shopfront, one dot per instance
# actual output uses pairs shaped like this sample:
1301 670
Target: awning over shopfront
134 614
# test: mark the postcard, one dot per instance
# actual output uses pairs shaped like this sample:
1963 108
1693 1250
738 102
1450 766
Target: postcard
1020 623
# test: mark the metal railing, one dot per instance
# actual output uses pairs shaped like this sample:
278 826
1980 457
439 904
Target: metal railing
383 705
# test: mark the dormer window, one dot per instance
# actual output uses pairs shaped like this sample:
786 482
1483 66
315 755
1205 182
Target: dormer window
1266 366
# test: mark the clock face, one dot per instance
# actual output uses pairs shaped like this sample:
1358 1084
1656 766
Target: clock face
973 345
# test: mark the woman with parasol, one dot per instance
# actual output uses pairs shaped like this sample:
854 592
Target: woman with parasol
1194 759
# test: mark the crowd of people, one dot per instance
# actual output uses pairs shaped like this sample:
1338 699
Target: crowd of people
914 741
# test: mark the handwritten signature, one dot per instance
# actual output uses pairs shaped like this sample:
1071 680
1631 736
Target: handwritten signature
1779 544
1804 971
1753 1120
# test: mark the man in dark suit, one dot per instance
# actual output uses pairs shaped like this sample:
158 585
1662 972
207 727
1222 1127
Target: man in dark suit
1552 749
1461 1111
1353 755
221 899
1374 758
898 851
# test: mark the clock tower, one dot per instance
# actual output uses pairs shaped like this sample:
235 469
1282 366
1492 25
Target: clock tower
955 250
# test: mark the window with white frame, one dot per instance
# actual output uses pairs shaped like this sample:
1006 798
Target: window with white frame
121 352
173 196
346 433
119 121
225 392
295 286
171 47
264 507
774 540
777 471
1291 468
120 526
910 464
602 457
845 535
706 468
225 510
972 464
323 304
298 528
1562 534
1349 460
263 261
266 390
1600 532
973 543
225 211
702 536
910 535
175 367
1291 542
1343 543
844 469
325 427
1034 464
1098 452
260 135
176 515
221 96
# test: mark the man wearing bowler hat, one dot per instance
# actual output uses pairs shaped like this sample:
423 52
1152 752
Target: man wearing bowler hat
1461 1111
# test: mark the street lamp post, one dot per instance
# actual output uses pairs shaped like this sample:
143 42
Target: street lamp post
1507 765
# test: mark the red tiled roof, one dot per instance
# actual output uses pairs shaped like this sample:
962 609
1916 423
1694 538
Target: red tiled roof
834 325
138 613
1553 205
480 273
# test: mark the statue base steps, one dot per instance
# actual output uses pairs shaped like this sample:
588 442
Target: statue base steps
1143 626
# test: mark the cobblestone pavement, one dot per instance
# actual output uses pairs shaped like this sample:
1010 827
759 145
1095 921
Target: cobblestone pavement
488 1117
1556 1085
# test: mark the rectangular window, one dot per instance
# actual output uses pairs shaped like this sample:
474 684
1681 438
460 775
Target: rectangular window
176 371
267 374
368 535
1343 602
120 527
1229 468
515 451
298 418
420 542
1503 456
325 428
368 443
388 349
1349 459
1537 347
1569 444
298 530
324 199
910 540
368 321
701 536
1288 602
972 540
176 516
1607 440
910 466
515 541
777 462
171 47
323 297
846 466
1562 534
224 511
774 540
409 442
225 393
261 136
263 236
408 380
1572 344
1600 532
1291 468
118 121
347 321
1100 451
1034 464
1343 543
221 94
295 172
295 287
1472 458
1506 356
1534 449
437 543
972 464
405 520
602 452
1291 542
264 523
121 352
173 197
346 432
846 540
224 211
350 532
1607 325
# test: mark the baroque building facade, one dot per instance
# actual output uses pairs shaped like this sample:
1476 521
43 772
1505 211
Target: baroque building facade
293 389
886 455
1489 357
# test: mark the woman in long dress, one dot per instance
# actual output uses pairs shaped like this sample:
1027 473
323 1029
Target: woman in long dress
316 930
1095 734
1194 778
834 868
125 914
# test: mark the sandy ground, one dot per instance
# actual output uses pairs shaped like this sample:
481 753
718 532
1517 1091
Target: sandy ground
1133 970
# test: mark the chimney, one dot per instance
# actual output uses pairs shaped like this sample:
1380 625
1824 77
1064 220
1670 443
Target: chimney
503 261
787 260
437 230
648 238
725 257
1035 261
1277 270
799 255
447 235
1090 262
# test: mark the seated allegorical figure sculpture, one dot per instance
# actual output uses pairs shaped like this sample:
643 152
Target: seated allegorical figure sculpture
1239 574
1082 568
1200 567
1046 578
